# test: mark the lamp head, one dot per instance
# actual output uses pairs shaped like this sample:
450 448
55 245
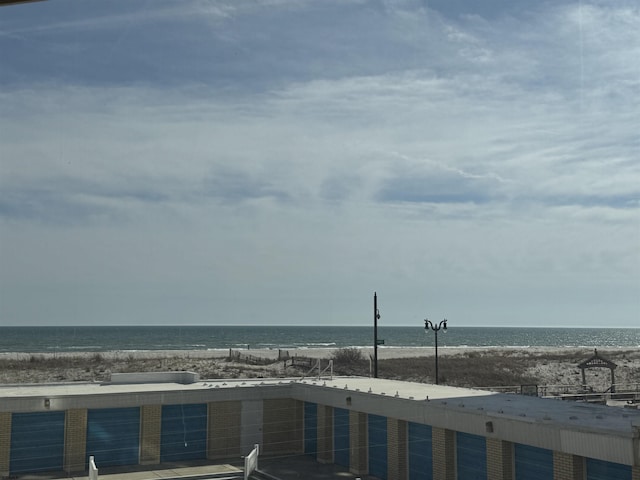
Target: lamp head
444 325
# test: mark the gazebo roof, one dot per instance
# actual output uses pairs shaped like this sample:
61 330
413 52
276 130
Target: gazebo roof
597 361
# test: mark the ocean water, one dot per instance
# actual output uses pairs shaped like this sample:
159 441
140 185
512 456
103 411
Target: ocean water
135 338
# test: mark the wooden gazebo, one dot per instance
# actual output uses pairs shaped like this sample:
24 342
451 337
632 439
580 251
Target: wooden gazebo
596 361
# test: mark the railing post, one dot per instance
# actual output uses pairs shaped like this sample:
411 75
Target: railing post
93 470
251 461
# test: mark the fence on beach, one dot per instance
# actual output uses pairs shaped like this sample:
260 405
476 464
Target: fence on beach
283 356
236 356
306 363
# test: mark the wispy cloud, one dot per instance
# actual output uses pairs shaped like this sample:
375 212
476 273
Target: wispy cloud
280 147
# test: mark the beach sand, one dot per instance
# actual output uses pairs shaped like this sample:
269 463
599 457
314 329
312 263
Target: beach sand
540 365
384 352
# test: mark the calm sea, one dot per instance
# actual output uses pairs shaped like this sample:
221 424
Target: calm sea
132 338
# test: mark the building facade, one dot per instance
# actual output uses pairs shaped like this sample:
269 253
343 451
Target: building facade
390 429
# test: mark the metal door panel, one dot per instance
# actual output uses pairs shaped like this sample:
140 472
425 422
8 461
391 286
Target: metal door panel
113 436
377 436
341 437
533 463
183 432
601 470
471 456
37 442
310 429
420 447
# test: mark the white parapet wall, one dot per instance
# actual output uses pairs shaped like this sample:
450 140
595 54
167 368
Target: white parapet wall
184 378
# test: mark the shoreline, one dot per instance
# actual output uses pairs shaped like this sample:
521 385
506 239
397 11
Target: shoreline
384 352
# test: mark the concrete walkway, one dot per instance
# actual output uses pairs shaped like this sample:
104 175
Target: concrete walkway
304 467
218 471
186 470
295 467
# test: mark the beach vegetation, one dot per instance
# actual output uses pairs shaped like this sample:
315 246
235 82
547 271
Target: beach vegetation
460 370
347 356
474 369
350 361
97 358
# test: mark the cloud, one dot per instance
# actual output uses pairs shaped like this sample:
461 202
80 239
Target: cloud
298 151
430 182
234 186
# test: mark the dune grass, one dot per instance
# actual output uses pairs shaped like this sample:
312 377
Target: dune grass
475 368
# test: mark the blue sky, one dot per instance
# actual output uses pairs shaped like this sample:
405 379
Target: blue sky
277 161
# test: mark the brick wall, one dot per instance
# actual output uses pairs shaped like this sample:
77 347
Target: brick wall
223 430
358 461
568 467
397 449
5 442
444 454
282 426
75 440
499 459
150 434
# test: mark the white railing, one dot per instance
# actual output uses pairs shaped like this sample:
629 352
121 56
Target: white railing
251 461
93 470
328 367
318 367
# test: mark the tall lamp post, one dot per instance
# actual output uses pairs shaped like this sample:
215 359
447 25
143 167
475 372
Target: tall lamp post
436 328
376 317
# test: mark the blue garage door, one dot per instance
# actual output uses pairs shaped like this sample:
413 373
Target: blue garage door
37 442
471 456
377 435
183 432
420 452
341 437
310 428
601 470
113 436
533 463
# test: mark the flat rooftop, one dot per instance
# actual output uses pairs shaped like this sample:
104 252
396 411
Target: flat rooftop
575 415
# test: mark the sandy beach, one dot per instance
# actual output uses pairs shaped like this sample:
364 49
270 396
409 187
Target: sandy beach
383 352
473 367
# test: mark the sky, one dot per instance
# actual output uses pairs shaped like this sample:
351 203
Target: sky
276 162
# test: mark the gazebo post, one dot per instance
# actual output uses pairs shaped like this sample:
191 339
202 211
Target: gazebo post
613 380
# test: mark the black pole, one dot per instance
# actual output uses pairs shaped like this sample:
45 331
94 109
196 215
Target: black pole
375 335
436 328
437 355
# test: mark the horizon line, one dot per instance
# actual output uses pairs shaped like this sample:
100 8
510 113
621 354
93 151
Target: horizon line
314 326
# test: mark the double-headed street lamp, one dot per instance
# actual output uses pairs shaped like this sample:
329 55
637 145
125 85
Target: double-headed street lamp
429 325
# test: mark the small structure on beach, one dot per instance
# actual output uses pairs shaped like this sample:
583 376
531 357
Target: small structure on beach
596 361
